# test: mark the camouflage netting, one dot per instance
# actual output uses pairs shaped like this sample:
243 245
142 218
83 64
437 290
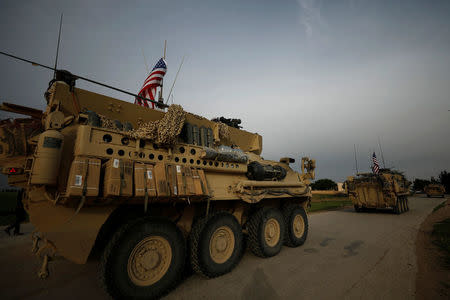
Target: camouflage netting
106 122
224 131
164 131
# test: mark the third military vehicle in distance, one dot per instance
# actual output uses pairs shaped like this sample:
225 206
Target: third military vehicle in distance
387 189
434 190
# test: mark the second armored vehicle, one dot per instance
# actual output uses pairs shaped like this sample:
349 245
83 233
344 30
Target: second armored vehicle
434 190
388 189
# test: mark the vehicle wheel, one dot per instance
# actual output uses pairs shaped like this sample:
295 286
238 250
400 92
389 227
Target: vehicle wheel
266 232
428 196
296 224
216 244
407 204
357 208
143 260
397 207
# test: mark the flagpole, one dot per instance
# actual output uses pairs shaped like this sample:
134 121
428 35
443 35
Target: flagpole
356 161
381 151
162 80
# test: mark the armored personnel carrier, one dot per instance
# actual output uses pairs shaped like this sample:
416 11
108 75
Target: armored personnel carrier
387 189
147 191
434 190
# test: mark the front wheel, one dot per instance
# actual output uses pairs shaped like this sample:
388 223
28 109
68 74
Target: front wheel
143 260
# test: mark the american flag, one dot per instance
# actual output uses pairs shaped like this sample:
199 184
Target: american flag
153 80
376 167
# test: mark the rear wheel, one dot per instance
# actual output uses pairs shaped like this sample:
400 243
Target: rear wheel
216 244
266 230
143 260
296 223
397 206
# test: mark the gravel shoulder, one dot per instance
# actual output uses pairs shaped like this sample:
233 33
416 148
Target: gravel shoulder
433 280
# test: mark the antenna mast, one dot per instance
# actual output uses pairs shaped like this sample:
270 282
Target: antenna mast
175 80
381 151
57 47
356 161
145 61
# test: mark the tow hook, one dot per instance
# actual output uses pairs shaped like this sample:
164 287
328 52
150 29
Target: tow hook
44 249
43 272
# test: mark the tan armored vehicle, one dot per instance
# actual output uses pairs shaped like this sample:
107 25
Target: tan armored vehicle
388 189
144 188
434 190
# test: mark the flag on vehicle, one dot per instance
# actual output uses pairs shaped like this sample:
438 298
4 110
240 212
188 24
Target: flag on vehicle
153 80
376 167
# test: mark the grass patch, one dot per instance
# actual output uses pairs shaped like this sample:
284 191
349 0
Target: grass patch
439 206
328 205
441 235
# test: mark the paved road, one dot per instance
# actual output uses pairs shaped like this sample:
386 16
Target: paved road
347 255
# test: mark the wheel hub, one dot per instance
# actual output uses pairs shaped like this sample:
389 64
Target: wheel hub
298 226
149 260
221 244
272 232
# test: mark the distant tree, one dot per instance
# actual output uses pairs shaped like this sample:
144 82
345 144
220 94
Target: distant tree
419 184
324 185
444 178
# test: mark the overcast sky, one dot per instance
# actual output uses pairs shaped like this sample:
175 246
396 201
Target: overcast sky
312 77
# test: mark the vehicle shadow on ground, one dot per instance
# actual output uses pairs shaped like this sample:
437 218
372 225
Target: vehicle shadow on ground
387 211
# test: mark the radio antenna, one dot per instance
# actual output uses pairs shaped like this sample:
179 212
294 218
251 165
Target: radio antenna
356 161
381 151
57 47
145 61
175 80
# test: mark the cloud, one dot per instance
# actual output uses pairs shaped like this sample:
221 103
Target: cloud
311 17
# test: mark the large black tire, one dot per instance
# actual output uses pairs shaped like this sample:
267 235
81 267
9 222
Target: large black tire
256 228
295 233
118 269
397 206
212 250
357 208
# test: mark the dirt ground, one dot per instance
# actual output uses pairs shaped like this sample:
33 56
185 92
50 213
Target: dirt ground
348 255
433 280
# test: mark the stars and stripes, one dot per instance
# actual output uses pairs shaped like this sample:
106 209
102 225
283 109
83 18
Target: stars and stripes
153 80
376 166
